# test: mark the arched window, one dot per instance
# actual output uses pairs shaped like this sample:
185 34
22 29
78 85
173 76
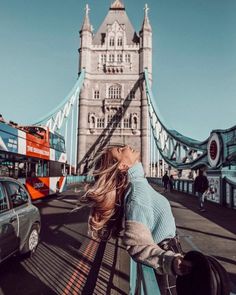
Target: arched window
114 91
134 122
92 120
119 41
112 41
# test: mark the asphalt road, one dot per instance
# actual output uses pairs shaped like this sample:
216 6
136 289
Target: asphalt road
67 260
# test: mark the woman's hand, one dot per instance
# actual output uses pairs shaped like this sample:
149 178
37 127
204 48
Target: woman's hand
181 267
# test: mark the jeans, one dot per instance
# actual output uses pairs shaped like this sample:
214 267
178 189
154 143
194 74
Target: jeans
200 199
167 283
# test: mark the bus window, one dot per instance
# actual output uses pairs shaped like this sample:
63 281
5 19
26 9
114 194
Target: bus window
63 169
56 169
31 169
57 142
22 170
45 168
39 169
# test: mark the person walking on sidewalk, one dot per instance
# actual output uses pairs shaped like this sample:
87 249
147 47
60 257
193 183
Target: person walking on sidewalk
165 180
201 185
171 182
123 202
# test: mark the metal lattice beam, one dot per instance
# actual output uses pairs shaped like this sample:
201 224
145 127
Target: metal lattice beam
178 151
54 119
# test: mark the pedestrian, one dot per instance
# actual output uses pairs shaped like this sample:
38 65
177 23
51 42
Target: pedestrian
171 183
201 186
149 233
165 181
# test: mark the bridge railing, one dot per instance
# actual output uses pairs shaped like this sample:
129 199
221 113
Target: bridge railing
143 279
226 196
181 185
229 190
73 179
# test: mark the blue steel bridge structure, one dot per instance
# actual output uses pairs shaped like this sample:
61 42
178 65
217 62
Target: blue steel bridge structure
167 147
217 152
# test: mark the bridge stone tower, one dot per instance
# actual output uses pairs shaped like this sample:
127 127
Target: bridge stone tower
113 103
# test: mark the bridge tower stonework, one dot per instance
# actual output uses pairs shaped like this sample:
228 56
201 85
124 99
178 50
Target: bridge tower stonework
113 103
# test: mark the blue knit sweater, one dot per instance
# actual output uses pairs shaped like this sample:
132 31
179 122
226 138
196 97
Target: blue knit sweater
146 206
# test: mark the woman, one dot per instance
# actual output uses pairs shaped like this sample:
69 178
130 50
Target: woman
149 232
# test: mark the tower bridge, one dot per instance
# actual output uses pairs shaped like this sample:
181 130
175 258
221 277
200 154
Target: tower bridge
112 103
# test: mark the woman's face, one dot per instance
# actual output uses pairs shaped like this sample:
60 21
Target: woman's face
125 155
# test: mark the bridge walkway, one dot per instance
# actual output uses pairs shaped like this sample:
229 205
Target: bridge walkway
212 232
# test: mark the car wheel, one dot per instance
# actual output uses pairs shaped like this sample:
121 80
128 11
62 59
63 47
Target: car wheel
32 240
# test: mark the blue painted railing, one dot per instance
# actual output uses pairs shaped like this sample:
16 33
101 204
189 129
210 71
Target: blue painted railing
73 179
229 190
142 280
226 195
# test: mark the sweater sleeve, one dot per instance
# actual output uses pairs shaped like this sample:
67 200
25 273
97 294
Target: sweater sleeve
141 247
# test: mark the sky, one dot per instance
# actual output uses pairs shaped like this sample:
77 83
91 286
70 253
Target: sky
194 58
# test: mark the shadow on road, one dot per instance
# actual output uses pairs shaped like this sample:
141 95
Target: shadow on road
22 281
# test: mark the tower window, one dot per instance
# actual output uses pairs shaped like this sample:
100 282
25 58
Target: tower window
100 122
135 123
132 94
127 58
112 41
119 41
103 36
114 92
111 58
103 58
114 121
119 58
96 94
126 123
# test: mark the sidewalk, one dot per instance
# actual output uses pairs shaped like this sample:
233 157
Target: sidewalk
212 232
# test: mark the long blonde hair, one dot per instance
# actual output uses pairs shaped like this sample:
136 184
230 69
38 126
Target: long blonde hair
106 195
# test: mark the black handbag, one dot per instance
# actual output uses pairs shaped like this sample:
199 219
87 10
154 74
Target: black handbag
208 277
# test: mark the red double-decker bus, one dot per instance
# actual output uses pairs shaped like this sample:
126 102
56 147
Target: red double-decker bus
35 156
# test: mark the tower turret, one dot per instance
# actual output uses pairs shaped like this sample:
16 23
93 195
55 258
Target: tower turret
86 36
145 61
117 4
146 43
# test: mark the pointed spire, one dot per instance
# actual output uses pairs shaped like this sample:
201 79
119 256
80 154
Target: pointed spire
86 24
146 23
117 5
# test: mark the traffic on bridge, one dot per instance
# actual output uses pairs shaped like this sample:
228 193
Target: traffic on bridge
100 196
